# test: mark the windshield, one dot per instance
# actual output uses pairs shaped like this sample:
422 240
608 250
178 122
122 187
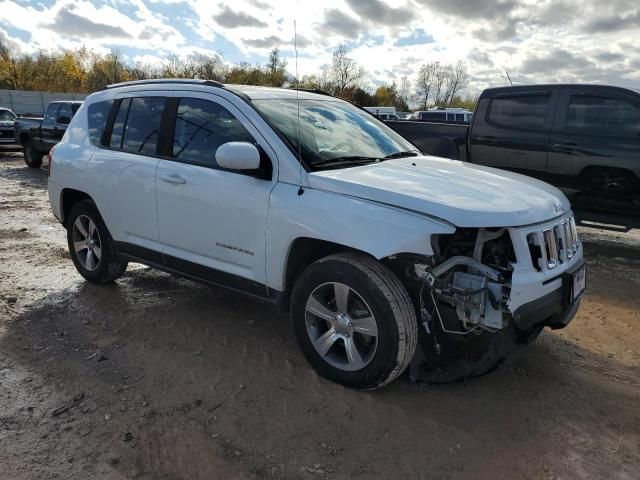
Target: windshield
7 116
334 133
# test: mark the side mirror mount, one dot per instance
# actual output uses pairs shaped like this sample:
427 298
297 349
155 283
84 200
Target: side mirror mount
238 156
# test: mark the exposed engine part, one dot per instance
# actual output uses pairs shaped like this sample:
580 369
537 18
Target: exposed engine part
490 246
476 295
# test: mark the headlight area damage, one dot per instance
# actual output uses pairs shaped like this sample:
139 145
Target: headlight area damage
462 296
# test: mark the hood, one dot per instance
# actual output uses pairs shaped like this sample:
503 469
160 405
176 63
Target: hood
464 194
7 124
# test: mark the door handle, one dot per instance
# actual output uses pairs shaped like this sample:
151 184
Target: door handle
488 139
173 178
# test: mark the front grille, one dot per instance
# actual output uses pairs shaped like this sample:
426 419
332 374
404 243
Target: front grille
554 244
6 133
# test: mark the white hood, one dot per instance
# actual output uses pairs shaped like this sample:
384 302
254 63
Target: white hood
464 194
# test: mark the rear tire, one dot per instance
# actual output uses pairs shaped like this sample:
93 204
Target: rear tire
32 158
353 320
92 249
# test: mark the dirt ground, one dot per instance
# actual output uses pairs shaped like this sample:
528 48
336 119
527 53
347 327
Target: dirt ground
160 378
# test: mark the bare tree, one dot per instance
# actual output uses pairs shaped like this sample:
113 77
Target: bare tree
276 68
345 71
404 91
456 81
439 79
424 82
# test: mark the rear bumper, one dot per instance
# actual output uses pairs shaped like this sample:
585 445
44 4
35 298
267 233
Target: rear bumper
554 309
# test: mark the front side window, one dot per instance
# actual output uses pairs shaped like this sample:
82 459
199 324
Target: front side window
143 125
64 114
7 116
604 116
520 111
332 133
201 127
52 113
97 115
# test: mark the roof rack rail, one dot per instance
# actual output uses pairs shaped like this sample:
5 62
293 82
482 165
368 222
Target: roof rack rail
312 90
192 81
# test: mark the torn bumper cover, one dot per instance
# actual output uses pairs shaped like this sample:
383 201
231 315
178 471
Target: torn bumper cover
555 310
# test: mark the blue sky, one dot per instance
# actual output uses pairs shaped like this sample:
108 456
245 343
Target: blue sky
535 40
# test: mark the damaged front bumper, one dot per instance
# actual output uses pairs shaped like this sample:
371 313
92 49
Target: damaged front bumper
555 309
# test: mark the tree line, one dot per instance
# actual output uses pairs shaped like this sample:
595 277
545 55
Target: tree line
85 71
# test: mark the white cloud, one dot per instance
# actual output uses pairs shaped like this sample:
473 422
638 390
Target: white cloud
535 40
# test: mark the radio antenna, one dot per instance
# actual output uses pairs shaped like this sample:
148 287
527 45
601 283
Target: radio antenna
295 47
509 78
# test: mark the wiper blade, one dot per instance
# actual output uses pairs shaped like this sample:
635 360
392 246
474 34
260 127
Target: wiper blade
408 153
347 160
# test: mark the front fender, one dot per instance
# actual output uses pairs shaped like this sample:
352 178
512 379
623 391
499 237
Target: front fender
377 229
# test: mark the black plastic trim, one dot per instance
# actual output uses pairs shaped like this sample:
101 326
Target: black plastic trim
197 273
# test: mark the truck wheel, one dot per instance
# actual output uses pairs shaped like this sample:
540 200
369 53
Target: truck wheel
611 180
32 158
91 247
353 320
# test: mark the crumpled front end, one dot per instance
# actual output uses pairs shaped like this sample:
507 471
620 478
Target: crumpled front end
488 291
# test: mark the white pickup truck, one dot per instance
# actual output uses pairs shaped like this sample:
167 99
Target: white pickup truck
311 203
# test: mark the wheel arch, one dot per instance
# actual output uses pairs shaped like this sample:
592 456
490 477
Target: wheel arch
68 198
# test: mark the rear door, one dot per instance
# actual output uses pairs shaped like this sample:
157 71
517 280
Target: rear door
596 140
212 221
124 170
514 131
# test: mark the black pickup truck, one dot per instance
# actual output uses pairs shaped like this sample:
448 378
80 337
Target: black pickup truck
38 135
583 138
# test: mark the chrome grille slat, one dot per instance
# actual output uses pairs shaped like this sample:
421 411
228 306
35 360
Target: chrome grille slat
557 244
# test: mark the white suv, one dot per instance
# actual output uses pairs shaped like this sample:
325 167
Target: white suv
311 203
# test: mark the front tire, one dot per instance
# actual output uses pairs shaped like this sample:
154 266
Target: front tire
353 320
91 247
32 158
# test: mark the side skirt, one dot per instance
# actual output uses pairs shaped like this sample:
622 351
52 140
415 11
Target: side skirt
198 273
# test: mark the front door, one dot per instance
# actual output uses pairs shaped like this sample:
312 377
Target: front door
212 221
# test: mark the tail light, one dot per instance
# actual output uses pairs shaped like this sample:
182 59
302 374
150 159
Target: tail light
50 160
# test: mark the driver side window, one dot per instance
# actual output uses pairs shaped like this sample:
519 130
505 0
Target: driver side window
201 127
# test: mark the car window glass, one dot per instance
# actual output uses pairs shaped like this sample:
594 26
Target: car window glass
97 115
6 116
201 127
602 115
74 108
118 124
459 117
143 125
65 113
520 111
52 113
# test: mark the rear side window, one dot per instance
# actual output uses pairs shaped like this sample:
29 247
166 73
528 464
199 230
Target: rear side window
604 116
520 111
201 127
143 125
434 116
97 115
460 117
118 124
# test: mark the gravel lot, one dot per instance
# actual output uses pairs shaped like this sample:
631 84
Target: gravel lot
160 378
